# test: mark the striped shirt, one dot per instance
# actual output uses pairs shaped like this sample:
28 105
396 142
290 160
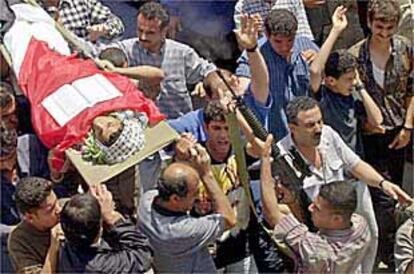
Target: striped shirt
327 251
287 80
263 8
181 65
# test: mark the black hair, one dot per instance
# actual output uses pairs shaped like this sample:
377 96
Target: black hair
281 22
384 10
298 104
31 192
114 55
341 195
170 186
81 220
153 10
214 111
6 94
339 62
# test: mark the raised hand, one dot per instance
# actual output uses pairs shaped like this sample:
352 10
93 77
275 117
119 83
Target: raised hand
200 159
248 33
183 146
339 20
104 197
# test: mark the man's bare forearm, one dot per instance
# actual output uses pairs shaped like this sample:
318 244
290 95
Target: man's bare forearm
260 76
271 209
374 115
221 203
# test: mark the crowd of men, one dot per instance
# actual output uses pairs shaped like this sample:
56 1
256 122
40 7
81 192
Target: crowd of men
328 190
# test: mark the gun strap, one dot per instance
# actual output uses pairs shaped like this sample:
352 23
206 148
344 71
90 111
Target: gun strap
238 148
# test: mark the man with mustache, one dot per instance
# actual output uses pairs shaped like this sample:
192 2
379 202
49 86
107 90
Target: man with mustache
327 157
181 64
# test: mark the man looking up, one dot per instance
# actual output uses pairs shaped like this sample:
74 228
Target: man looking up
181 64
34 243
180 240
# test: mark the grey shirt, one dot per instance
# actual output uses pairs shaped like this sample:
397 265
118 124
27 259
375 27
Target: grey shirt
182 66
404 246
178 239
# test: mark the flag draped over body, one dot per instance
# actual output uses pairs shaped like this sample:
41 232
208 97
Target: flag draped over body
43 64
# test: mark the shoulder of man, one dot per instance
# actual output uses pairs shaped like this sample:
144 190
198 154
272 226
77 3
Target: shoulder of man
354 49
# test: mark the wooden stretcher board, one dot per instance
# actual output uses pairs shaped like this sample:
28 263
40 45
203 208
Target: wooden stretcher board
156 138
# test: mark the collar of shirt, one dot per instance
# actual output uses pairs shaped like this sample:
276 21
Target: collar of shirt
166 212
296 53
322 148
65 3
368 40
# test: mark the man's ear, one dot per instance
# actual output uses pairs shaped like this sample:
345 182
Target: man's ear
330 81
174 199
164 32
292 127
28 217
205 126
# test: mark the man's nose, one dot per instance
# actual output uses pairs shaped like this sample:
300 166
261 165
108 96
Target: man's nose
58 209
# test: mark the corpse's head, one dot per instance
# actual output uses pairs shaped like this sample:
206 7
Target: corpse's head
115 137
107 129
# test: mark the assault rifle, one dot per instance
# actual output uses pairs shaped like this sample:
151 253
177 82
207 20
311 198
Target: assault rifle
291 176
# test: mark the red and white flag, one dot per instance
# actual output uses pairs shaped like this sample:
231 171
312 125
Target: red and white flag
43 65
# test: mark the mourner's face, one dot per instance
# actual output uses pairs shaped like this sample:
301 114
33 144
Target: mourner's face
149 33
106 129
187 202
383 31
344 84
47 215
218 136
307 130
322 213
282 45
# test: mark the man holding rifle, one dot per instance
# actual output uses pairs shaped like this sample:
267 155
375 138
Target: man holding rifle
326 155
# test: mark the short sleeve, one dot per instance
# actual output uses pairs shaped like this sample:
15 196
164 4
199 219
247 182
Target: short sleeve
349 158
193 234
